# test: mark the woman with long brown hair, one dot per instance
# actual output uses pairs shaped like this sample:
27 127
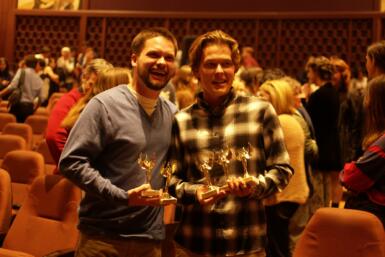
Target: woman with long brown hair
365 178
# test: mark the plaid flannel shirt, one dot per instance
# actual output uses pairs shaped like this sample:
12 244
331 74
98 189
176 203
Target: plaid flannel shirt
233 225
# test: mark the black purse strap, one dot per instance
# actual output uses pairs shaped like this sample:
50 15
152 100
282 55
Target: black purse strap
19 84
21 79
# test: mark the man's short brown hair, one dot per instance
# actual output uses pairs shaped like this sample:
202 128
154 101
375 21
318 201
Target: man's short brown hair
376 52
140 39
213 37
321 66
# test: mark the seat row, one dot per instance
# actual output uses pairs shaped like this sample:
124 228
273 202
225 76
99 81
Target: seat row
46 222
33 130
41 110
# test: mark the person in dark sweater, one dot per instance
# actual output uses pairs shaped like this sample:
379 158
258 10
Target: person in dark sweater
323 107
365 178
101 155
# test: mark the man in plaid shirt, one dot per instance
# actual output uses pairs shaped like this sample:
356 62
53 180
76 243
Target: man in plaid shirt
231 223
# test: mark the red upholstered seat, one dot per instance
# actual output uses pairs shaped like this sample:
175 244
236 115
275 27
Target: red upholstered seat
38 124
20 129
47 221
23 167
6 118
5 202
333 232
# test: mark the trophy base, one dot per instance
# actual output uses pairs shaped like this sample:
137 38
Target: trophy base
224 188
248 179
210 192
168 200
150 193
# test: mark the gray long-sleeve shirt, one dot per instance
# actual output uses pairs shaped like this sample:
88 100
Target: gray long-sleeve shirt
31 87
101 156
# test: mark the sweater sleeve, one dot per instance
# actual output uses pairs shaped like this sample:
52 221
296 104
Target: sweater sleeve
87 139
278 170
362 174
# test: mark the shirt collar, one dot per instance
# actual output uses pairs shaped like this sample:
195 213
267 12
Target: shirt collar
218 110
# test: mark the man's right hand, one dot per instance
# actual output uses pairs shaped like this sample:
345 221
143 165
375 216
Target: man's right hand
209 200
135 197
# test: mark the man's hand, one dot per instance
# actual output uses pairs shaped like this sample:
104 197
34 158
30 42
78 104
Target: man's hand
135 196
239 187
220 194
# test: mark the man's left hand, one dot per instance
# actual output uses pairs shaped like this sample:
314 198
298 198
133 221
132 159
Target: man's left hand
239 187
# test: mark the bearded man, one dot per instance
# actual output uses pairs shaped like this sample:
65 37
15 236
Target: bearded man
101 155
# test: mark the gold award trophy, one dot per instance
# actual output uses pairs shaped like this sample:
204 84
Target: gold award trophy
243 155
205 167
224 157
147 165
166 171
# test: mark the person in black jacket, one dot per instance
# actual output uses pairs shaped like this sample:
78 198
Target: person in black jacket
323 107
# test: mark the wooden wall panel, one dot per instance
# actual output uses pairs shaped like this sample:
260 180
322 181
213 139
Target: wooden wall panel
243 30
237 6
280 40
361 38
94 35
180 28
119 34
34 32
302 38
267 43
6 26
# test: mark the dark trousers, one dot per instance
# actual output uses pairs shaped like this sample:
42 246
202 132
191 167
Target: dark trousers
277 220
22 110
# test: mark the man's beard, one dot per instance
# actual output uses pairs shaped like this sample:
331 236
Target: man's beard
145 77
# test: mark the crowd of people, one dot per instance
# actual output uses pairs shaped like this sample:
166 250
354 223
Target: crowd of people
253 152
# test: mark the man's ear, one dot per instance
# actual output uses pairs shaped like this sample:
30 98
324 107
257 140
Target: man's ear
134 59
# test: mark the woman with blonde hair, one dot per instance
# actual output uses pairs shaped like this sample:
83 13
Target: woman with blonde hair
107 79
281 207
314 179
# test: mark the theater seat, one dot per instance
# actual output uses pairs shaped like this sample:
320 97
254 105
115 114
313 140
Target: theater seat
20 129
46 223
50 164
38 124
6 118
23 167
333 232
10 143
5 203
